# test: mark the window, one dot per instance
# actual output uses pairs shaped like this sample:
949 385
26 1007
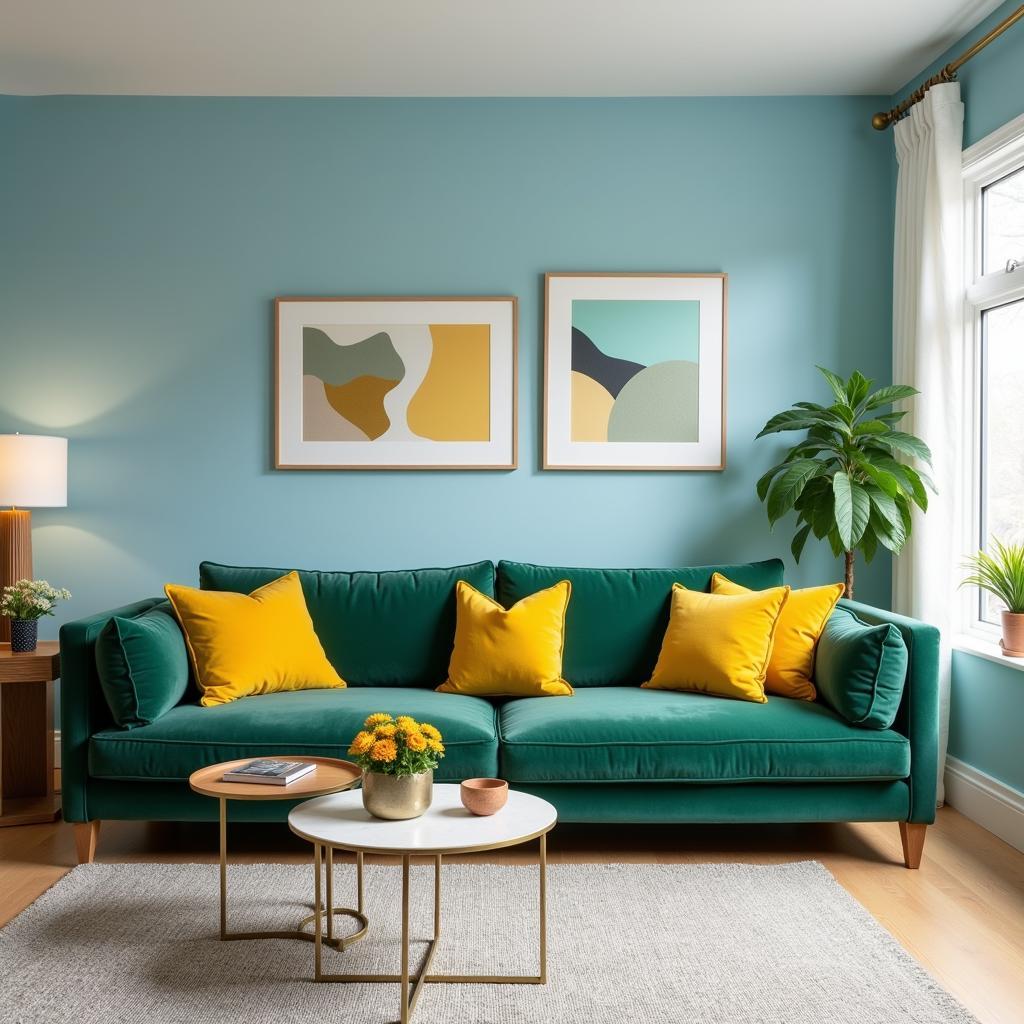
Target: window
1002 222
994 194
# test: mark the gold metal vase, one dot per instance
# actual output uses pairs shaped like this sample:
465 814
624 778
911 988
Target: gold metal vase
397 797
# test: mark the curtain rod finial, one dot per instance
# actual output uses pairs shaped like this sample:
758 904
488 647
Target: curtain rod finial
880 121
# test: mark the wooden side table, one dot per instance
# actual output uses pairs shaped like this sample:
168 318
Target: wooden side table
26 734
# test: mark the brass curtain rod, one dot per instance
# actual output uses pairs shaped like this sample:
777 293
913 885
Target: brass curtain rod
884 118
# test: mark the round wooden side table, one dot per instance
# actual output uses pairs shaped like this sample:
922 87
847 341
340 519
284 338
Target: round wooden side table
331 776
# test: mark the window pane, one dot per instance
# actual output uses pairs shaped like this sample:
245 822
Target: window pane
1003 227
1002 512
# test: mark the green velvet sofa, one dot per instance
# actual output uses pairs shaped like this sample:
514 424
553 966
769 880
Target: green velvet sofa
612 753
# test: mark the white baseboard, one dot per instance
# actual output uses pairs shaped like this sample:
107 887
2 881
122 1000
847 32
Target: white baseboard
989 802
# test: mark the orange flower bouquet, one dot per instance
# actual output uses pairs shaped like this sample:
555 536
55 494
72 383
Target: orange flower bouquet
396 746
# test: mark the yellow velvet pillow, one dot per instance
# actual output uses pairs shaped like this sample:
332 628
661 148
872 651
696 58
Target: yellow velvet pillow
803 618
719 645
243 644
515 652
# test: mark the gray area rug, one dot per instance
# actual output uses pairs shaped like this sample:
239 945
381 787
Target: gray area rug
660 944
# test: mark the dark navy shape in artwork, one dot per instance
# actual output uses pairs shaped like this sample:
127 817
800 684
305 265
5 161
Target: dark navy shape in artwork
611 373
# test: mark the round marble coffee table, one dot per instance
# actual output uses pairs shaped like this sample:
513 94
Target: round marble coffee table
339 822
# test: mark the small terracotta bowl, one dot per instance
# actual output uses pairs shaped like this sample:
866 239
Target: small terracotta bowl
484 796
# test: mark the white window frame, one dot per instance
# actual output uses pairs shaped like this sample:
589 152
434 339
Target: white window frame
984 163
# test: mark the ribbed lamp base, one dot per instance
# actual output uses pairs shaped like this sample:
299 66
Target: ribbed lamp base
15 554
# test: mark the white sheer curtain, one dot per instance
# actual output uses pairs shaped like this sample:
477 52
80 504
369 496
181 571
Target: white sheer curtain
928 352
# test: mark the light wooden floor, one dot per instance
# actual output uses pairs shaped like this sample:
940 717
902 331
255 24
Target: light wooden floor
961 914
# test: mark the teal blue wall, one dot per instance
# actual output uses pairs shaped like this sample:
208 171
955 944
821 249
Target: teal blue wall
987 700
986 717
144 240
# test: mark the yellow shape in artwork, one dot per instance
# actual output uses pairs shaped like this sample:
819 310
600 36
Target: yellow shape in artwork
454 401
591 407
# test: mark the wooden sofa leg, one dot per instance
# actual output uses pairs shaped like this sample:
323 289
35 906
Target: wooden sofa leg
86 834
912 837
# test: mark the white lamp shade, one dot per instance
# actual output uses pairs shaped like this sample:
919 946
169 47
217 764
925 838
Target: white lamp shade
33 471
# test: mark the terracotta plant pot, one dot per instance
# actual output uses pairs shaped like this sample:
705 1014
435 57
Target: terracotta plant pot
1013 634
484 796
397 797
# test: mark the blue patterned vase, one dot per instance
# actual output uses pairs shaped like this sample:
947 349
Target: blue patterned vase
24 633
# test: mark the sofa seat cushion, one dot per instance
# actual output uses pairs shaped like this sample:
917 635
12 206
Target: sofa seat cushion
303 722
625 734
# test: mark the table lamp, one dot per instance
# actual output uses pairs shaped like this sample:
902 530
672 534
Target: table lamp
33 474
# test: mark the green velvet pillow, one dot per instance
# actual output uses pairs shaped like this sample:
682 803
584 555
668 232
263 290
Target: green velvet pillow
860 670
142 665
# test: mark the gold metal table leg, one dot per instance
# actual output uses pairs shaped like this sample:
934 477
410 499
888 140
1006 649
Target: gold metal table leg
412 984
339 943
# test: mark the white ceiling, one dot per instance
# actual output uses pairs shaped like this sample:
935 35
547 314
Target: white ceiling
474 47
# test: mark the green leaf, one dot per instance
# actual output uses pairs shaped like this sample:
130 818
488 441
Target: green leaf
843 508
905 443
820 514
888 395
842 412
884 481
835 382
812 495
870 427
765 481
908 478
793 419
927 480
889 532
799 541
892 418
857 388
788 485
887 508
861 512
835 542
906 514
868 544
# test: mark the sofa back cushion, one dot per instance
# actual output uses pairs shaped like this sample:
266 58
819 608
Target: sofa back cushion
377 628
617 617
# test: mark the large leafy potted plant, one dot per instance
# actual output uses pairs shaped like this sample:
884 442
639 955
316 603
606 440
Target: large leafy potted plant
1002 574
843 479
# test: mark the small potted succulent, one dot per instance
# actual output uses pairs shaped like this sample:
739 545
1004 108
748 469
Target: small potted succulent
398 757
25 603
1002 574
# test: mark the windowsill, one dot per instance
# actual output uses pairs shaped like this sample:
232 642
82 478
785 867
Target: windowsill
987 649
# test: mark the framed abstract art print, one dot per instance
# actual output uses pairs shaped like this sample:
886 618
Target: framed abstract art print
634 371
396 383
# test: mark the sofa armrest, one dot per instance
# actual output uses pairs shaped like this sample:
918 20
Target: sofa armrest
83 708
918 716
